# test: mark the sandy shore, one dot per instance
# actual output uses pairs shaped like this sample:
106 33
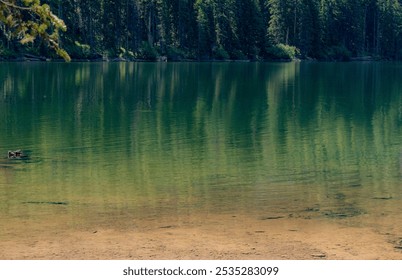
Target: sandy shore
203 237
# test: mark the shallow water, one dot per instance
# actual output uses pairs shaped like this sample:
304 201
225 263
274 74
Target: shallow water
111 142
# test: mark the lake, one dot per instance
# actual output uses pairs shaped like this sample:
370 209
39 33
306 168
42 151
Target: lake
109 143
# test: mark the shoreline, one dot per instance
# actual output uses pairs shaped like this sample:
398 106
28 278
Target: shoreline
203 237
119 59
33 58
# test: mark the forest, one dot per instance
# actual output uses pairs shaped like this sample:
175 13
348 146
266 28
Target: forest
177 30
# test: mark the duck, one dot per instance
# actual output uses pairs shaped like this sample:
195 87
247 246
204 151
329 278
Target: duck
17 154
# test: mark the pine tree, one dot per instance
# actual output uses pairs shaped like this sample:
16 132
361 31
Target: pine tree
27 20
309 31
390 23
206 28
250 28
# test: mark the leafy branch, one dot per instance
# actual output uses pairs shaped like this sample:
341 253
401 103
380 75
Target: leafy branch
28 20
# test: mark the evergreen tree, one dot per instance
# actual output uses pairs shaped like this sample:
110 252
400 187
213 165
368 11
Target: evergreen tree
27 20
389 27
206 28
309 31
250 28
203 29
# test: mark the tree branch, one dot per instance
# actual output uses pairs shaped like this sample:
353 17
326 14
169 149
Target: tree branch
15 6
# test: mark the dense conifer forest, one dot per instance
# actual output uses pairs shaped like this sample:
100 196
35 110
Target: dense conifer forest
209 29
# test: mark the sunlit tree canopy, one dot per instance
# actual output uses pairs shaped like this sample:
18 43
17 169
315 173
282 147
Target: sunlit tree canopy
28 20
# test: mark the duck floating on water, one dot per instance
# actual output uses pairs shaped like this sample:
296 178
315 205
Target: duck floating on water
18 154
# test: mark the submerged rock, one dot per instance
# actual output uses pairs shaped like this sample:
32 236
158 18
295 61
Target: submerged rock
46 202
343 212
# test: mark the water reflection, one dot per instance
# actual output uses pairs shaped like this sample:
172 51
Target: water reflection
177 137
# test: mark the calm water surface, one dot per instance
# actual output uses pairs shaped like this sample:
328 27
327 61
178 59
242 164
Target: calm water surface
119 141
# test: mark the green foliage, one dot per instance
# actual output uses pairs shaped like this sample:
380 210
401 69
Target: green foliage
82 50
175 54
220 53
276 27
238 55
338 53
147 52
204 29
29 20
6 53
123 53
281 51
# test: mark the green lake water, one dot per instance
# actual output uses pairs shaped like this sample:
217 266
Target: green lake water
119 141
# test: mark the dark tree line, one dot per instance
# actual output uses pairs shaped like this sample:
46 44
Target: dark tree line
223 29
